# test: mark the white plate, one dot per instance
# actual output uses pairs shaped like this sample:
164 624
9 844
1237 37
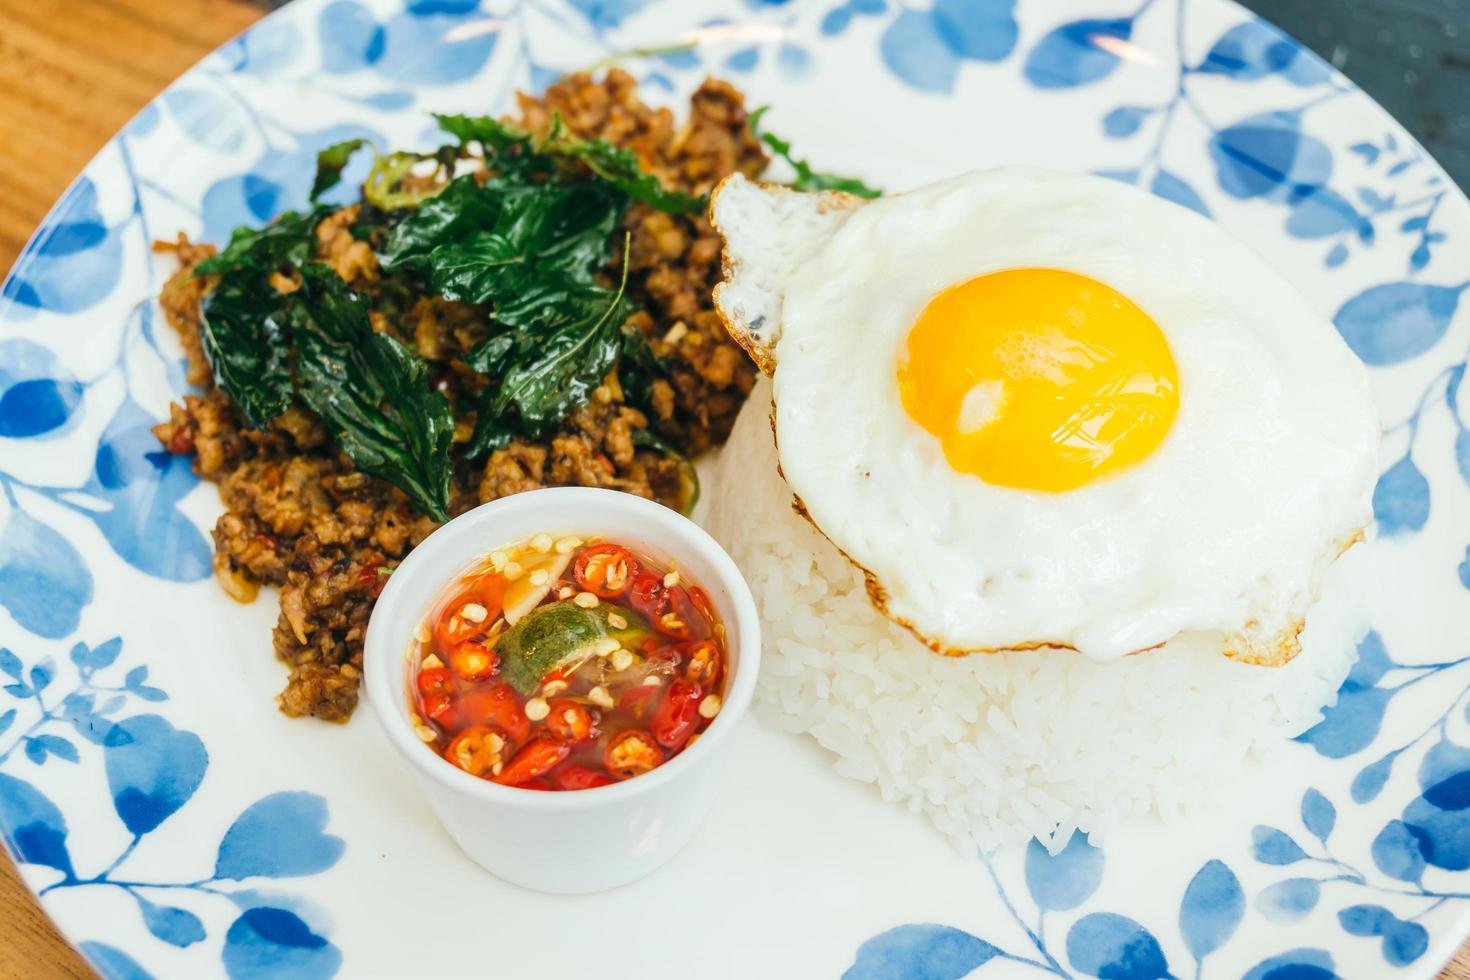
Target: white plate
175 824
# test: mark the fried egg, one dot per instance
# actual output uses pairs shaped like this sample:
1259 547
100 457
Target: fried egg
1045 410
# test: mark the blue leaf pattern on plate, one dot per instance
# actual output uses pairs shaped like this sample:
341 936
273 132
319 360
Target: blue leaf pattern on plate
112 962
1396 321
920 952
280 836
1401 498
915 51
1296 964
35 831
275 942
1211 910
1290 900
152 770
1114 947
44 583
1318 814
74 260
979 30
1078 53
1064 880
175 926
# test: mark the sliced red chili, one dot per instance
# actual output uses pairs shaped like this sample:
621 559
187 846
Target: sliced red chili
580 777
632 753
569 720
540 785
435 680
440 708
677 714
706 609
703 664
638 701
476 750
669 610
538 756
647 594
498 707
473 661
452 628
605 570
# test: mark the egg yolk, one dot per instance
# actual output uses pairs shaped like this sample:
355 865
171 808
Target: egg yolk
1039 379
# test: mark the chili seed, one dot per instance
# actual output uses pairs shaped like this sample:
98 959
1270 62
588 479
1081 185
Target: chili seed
498 559
553 688
599 696
537 708
541 543
616 622
431 662
421 633
565 592
652 680
567 545
511 571
425 733
473 612
671 579
540 576
622 660
606 647
710 706
586 600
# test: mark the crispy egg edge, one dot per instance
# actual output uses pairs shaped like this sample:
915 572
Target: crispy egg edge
1274 651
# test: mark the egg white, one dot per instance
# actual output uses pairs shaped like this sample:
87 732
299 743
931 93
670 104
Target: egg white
1264 478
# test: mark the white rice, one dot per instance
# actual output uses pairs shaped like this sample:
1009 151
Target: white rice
1000 748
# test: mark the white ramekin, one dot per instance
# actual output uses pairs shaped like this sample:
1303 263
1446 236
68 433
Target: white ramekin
572 841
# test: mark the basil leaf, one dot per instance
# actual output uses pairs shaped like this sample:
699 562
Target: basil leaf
616 165
538 228
331 162
289 240
619 167
372 392
808 179
564 339
242 325
456 212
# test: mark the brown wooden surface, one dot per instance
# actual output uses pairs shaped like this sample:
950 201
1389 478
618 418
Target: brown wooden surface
72 72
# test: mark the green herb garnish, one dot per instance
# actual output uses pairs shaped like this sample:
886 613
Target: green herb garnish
372 392
316 344
614 164
808 179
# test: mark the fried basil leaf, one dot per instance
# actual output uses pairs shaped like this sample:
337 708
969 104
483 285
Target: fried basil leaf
331 162
242 325
372 392
616 165
808 179
564 338
540 230
289 240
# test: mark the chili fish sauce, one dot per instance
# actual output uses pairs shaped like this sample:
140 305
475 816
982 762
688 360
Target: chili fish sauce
563 664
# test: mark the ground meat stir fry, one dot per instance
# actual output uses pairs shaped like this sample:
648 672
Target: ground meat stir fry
300 517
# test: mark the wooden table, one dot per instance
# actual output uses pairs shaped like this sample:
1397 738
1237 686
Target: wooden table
72 72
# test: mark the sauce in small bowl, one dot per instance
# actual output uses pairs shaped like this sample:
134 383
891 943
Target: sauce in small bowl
558 663
631 775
